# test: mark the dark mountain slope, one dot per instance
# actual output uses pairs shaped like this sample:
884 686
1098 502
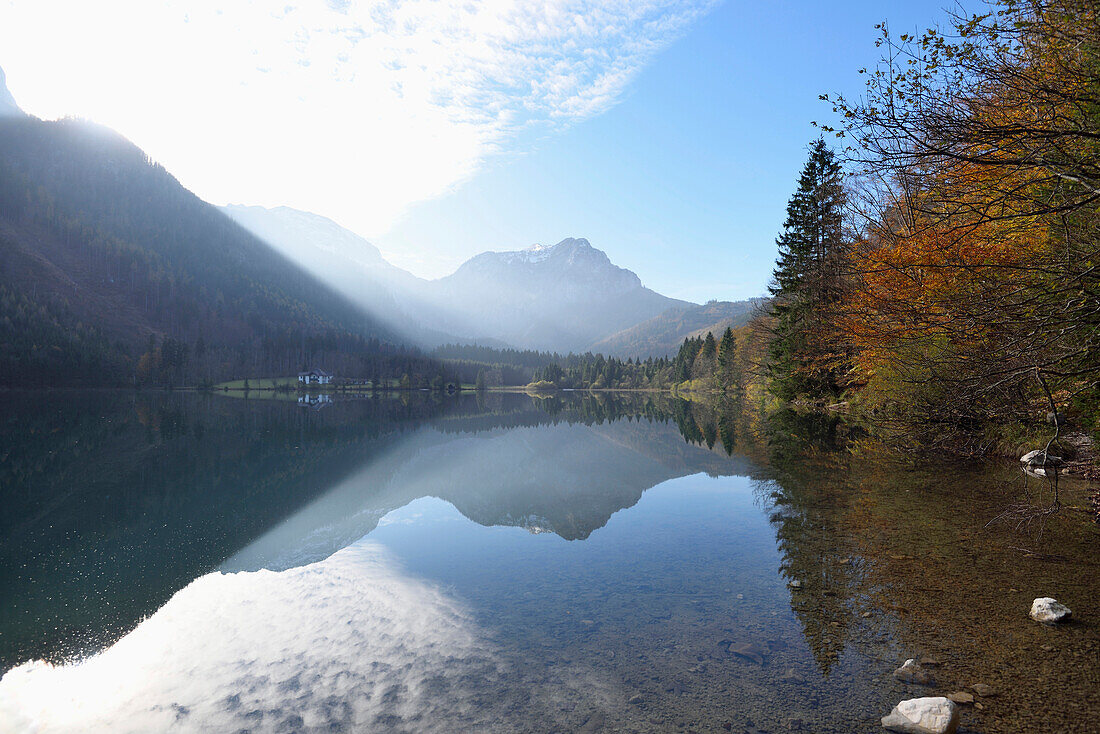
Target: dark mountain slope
109 268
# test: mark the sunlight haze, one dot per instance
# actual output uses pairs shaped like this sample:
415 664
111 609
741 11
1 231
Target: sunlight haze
439 130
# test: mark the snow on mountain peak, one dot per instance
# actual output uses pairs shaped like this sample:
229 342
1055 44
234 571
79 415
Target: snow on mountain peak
535 253
538 253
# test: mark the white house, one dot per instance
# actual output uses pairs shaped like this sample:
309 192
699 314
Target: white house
314 377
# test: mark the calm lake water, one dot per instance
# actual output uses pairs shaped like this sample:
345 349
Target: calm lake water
180 562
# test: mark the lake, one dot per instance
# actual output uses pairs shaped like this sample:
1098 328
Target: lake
607 562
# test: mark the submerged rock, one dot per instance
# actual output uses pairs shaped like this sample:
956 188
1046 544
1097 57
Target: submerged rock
961 697
1048 610
749 651
912 672
792 676
983 690
929 715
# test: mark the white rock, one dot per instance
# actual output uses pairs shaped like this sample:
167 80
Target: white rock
929 715
1035 458
1045 609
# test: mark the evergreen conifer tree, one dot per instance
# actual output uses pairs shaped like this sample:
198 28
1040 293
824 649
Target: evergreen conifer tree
802 283
726 349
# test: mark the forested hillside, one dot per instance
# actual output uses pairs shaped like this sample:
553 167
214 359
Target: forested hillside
662 335
112 273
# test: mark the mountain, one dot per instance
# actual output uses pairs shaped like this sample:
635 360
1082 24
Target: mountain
351 265
564 297
663 334
111 271
8 107
313 238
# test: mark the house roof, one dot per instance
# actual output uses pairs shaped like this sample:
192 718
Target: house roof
319 373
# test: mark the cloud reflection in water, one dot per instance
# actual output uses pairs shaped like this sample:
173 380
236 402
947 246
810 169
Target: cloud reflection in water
345 644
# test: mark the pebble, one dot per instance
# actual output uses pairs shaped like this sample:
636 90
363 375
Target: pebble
961 697
983 690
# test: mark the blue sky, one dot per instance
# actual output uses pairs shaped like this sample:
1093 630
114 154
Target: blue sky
667 132
686 180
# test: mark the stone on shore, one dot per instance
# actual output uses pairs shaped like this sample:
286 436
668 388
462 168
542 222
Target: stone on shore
984 690
1048 610
911 672
929 715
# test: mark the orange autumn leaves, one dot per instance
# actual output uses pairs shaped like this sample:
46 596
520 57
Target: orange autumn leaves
935 282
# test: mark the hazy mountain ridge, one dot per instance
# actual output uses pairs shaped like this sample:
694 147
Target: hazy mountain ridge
8 107
663 334
563 297
351 265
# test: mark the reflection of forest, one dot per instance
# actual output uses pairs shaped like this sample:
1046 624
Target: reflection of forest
895 556
801 465
115 500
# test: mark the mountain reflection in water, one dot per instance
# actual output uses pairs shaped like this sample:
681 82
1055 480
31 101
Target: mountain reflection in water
504 563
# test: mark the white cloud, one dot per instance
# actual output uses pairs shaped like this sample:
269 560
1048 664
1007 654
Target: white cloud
355 110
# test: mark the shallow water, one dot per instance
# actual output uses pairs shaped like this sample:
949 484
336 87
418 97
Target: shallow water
578 564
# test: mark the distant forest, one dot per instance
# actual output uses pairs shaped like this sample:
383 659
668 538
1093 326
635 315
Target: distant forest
697 358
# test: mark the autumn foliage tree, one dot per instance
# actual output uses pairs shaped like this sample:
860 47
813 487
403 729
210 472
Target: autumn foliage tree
974 292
